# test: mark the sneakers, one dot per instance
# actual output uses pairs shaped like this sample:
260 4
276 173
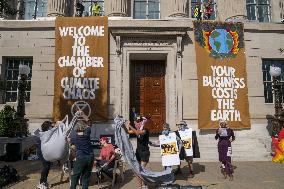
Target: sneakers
43 185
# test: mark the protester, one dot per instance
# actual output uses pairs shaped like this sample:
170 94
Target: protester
46 164
106 158
182 126
208 10
79 9
197 11
84 155
132 116
142 150
96 8
225 136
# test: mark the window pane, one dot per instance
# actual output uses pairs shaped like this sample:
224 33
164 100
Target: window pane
251 1
12 73
29 9
154 9
251 12
140 9
263 13
267 80
263 2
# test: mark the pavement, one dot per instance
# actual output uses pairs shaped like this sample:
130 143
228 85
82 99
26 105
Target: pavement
247 175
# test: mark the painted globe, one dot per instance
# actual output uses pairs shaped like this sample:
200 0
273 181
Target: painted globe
221 41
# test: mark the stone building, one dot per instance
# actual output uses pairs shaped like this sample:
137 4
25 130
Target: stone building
153 38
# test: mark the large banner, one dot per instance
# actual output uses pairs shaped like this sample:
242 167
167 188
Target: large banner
81 67
222 77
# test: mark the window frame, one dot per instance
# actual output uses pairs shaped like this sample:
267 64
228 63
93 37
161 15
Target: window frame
32 15
147 13
7 68
267 63
193 3
257 4
88 10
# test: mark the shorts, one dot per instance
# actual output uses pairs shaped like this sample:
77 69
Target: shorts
143 155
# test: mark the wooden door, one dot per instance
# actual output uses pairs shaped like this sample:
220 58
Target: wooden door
147 92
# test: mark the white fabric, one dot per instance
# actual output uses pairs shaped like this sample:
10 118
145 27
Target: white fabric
54 145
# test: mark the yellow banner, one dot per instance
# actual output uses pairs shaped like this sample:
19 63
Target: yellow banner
81 67
222 77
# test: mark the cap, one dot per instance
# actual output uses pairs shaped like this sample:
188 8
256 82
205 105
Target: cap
104 139
166 125
182 123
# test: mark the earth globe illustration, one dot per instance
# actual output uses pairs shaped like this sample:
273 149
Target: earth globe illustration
221 41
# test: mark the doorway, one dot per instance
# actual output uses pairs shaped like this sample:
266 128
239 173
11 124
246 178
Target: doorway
147 91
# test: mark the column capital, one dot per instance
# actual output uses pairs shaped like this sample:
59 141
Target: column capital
118 8
179 8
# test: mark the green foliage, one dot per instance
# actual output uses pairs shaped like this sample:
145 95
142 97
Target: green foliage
6 120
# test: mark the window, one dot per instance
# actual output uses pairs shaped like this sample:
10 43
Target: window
88 7
146 9
258 10
12 73
267 79
31 5
204 6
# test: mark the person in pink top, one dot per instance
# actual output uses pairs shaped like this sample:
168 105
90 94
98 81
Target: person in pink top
106 158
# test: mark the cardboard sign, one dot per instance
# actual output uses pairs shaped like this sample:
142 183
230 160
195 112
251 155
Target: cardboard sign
169 149
186 139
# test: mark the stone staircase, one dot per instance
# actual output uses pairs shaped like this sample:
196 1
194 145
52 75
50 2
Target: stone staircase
253 148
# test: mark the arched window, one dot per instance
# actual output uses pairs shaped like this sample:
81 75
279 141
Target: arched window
146 9
258 10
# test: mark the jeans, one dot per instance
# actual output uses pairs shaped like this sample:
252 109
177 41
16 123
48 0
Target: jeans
82 167
45 171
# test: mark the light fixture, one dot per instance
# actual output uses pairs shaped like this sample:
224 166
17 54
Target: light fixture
275 71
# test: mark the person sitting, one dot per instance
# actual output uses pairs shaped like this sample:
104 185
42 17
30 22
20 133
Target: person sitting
106 158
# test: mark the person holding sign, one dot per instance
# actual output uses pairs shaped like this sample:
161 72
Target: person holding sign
170 145
225 136
186 152
142 150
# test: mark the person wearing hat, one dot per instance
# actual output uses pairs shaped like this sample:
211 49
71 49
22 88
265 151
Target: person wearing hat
225 136
106 157
182 125
84 155
142 150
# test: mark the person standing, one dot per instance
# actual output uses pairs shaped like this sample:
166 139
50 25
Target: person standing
225 136
182 126
47 125
84 155
142 150
96 9
79 9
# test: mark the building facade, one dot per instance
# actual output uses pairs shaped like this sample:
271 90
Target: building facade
153 39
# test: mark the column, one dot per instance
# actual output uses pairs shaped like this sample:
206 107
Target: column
57 8
118 8
179 8
179 86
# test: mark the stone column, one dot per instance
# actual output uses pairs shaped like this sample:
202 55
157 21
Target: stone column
179 8
57 7
118 8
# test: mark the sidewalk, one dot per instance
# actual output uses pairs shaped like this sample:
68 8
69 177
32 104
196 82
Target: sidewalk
248 175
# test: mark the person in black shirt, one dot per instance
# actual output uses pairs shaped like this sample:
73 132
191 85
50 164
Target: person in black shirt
142 150
79 9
